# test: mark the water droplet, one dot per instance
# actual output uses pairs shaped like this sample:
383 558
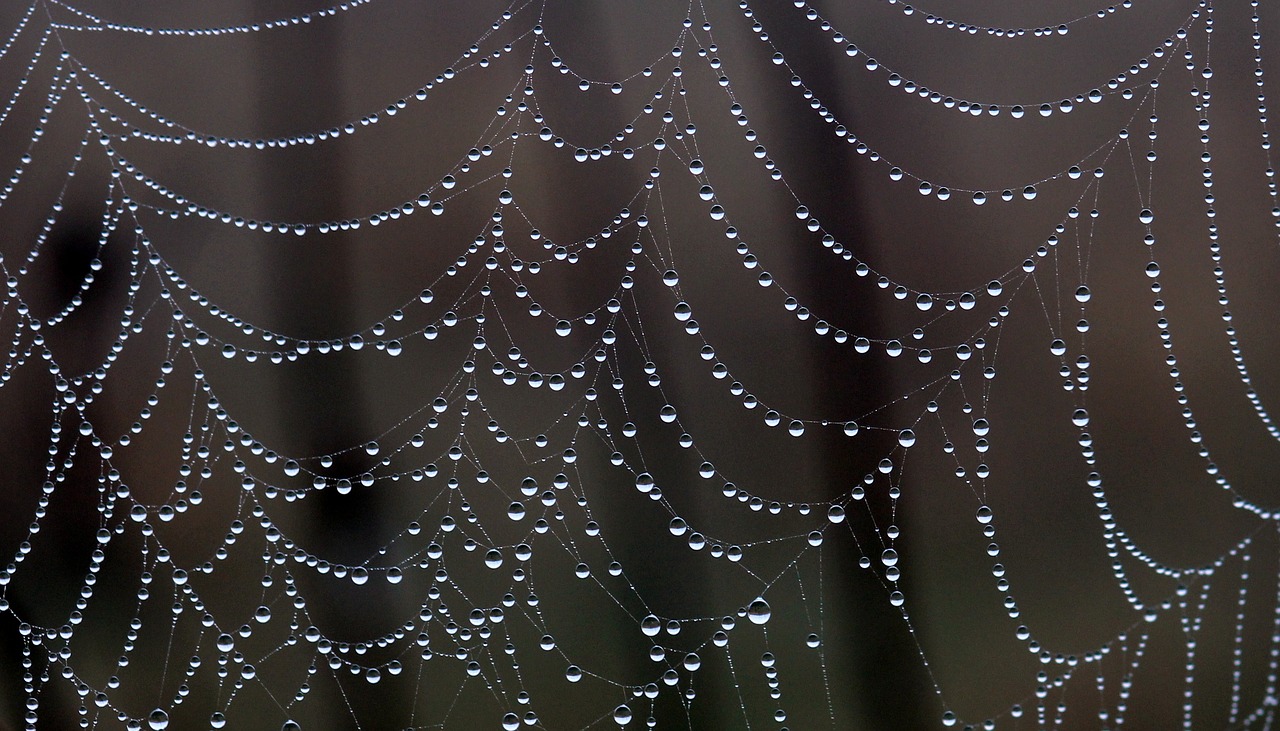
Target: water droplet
670 278
889 557
644 482
493 558
158 719
650 626
263 615
758 611
622 715
906 438
984 515
1083 294
1146 216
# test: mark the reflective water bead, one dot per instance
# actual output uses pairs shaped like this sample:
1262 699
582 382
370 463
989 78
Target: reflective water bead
622 715
907 438
759 611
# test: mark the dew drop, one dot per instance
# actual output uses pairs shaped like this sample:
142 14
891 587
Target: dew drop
650 626
644 482
907 438
622 715
158 719
758 611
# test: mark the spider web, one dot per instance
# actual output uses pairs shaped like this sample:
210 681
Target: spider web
711 365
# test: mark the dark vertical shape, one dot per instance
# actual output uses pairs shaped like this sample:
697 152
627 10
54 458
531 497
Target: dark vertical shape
889 678
318 400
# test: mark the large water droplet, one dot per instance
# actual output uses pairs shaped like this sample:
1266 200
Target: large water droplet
158 719
622 715
758 611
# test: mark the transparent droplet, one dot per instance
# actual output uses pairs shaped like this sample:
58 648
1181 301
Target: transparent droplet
907 438
984 515
493 558
158 719
696 167
1146 216
1083 294
889 557
644 482
758 611
622 715
515 511
262 614
650 626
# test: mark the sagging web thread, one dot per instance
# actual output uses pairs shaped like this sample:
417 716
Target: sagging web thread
463 629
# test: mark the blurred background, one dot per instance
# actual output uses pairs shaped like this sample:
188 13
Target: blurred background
1206 661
